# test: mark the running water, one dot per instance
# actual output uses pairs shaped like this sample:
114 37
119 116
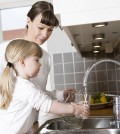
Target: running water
86 97
86 101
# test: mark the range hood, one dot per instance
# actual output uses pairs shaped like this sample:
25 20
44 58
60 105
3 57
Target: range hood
78 17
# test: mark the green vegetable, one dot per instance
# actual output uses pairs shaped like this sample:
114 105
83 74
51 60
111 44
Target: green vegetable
96 96
97 101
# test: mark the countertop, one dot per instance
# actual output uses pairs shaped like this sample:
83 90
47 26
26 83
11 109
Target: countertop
108 111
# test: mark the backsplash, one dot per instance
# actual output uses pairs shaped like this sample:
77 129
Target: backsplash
69 69
117 57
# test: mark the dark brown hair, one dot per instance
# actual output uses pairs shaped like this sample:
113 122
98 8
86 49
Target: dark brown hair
46 10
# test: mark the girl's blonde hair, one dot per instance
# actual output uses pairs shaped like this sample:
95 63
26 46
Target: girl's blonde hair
15 50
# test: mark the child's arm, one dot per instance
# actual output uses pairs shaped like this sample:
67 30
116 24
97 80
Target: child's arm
65 108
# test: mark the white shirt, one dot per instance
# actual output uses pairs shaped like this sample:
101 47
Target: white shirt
40 80
20 115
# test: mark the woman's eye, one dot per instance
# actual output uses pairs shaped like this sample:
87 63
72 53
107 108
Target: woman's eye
40 28
50 30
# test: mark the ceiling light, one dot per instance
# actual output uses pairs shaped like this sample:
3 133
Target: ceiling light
96 51
102 24
98 36
97 45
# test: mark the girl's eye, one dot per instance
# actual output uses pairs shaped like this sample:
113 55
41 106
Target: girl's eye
41 28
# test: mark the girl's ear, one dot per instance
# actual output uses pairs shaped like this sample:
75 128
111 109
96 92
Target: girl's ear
21 61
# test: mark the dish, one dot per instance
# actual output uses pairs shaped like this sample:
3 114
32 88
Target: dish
101 105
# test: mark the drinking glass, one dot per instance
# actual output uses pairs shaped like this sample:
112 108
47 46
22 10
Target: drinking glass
83 99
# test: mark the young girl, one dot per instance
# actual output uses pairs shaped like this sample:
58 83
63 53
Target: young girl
20 99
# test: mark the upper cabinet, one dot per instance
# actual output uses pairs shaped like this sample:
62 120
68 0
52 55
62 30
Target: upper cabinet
78 17
15 3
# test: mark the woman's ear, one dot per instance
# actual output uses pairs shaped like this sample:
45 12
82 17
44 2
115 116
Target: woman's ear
28 21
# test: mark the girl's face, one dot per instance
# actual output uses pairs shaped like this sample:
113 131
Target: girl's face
38 32
32 66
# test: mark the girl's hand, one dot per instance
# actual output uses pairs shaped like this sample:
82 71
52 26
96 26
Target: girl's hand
81 110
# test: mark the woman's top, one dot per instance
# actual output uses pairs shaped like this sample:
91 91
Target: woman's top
19 117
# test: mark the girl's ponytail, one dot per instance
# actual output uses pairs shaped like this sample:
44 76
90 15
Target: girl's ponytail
6 86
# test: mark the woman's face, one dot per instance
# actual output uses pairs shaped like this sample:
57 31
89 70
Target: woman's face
38 32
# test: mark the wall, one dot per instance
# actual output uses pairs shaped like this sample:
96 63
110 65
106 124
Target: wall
58 43
117 57
68 67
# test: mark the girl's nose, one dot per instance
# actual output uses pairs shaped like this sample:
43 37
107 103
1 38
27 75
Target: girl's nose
40 64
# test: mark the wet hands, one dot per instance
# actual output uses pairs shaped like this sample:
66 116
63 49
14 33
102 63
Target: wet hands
81 110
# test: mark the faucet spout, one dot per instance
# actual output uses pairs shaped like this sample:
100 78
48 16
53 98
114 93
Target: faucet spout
92 66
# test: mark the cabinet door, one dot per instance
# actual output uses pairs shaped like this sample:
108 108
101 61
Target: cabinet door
76 12
15 3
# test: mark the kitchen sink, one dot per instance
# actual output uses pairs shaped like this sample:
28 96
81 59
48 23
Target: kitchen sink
86 131
72 125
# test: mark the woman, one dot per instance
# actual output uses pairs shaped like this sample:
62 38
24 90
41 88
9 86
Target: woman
40 23
19 97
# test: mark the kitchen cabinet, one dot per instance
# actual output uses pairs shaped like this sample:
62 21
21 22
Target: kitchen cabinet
15 3
76 18
79 12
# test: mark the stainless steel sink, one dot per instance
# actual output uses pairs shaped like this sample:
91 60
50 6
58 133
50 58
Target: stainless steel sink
71 125
86 131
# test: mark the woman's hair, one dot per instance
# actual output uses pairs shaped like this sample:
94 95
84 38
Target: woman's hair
15 50
46 10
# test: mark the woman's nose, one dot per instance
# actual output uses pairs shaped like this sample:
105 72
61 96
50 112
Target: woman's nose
45 33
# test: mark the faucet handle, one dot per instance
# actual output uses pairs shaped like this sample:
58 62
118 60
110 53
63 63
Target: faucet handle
112 123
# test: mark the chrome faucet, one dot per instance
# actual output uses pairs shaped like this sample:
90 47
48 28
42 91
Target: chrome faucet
116 111
92 66
116 122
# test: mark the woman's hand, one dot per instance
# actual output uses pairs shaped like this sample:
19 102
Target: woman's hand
69 94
